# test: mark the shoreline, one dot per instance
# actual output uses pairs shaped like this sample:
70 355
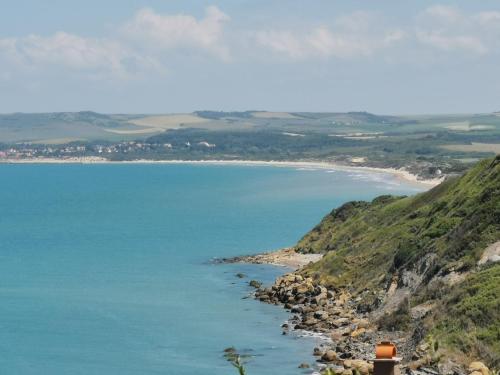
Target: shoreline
286 257
400 174
346 337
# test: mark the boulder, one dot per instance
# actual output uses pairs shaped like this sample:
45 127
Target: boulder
289 278
321 315
300 299
329 356
361 323
303 288
478 367
345 355
255 284
320 290
347 363
341 322
298 278
318 300
363 367
341 299
317 352
335 310
358 332
336 336
310 322
307 309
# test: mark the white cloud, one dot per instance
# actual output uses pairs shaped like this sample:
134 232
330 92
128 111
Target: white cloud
150 39
393 36
359 21
444 13
490 18
447 28
121 55
180 31
74 52
451 43
282 42
355 35
327 43
443 28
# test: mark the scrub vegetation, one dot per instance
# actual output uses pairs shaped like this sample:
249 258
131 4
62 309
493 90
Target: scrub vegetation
430 248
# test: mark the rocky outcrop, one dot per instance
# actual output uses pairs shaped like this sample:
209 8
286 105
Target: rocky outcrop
491 254
255 284
478 368
332 313
351 331
287 257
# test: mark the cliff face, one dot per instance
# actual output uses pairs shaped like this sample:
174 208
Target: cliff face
426 264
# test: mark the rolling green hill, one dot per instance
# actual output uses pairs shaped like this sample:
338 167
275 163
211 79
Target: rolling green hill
429 146
419 263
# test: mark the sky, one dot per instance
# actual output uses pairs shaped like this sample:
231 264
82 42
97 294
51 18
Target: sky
173 56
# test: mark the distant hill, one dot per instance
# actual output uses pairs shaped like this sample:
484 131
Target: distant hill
57 127
217 115
427 264
429 146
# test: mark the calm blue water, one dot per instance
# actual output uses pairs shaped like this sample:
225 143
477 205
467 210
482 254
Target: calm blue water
103 268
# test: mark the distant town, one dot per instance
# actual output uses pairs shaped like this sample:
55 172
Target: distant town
29 150
426 146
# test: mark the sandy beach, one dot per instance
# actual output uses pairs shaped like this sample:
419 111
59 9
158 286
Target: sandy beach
400 174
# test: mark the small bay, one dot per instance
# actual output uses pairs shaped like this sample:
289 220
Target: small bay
105 269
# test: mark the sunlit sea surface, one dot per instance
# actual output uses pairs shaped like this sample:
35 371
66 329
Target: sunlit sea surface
105 269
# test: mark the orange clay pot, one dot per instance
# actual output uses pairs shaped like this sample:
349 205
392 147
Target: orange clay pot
385 350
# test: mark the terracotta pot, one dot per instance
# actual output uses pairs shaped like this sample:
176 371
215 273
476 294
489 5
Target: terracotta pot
385 350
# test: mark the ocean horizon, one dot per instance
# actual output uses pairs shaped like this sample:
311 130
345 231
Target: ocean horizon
106 269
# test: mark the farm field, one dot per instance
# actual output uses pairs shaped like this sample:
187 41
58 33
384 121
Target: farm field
425 145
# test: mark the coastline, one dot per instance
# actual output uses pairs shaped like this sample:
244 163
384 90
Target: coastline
347 336
286 257
400 174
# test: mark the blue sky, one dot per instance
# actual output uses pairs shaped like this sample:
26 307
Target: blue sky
386 57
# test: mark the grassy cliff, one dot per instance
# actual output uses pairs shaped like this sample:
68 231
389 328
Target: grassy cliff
415 261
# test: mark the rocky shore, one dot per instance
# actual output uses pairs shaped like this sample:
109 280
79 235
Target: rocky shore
350 332
314 308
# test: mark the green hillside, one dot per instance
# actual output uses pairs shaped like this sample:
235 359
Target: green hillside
402 255
428 146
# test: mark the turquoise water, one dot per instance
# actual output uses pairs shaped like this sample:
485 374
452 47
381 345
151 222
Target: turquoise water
104 268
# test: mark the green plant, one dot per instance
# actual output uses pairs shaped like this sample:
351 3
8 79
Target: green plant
236 362
233 357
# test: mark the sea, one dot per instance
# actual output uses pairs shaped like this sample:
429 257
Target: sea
108 269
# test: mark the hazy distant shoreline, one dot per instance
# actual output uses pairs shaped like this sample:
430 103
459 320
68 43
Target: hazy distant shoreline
398 173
